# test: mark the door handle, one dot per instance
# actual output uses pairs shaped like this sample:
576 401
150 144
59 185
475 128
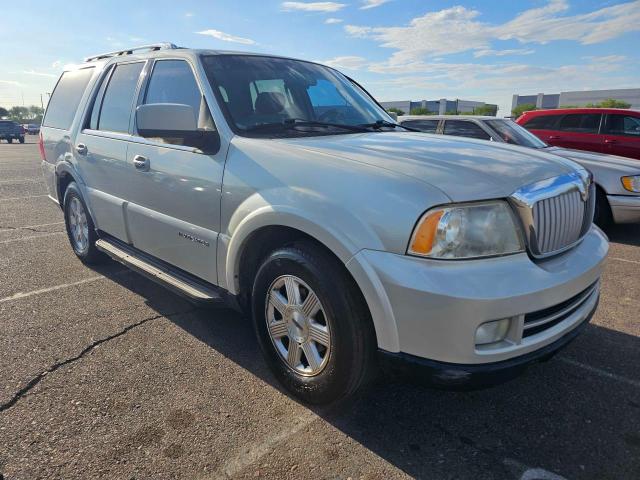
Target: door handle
554 137
610 140
141 163
81 148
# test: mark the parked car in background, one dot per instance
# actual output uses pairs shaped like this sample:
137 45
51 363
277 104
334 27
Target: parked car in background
31 128
604 130
11 131
617 178
353 243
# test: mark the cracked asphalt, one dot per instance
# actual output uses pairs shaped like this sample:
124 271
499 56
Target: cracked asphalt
104 374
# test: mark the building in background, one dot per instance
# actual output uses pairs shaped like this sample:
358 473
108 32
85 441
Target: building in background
441 106
578 99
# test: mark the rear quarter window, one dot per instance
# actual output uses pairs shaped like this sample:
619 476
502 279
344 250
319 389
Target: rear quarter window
543 122
66 98
427 126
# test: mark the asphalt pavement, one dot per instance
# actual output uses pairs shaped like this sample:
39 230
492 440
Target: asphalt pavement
104 374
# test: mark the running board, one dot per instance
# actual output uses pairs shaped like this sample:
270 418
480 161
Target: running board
157 272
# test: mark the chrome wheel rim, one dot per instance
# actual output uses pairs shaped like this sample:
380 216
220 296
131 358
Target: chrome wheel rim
298 326
78 226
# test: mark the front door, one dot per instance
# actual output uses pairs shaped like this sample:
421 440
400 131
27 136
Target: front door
174 211
622 135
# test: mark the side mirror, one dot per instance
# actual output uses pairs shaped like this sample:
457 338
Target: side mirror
175 123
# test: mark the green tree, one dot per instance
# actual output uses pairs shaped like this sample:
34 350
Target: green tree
520 109
420 111
4 112
395 110
610 103
489 110
19 114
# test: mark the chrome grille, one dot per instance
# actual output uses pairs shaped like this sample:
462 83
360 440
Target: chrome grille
556 212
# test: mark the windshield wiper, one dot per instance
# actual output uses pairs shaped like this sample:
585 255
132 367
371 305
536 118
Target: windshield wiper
292 123
383 123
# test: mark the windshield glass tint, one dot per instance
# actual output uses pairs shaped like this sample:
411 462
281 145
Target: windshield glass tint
266 90
511 132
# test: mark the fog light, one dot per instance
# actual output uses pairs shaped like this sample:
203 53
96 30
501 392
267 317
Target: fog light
492 332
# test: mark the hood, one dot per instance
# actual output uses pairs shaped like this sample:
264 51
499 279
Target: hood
594 160
464 169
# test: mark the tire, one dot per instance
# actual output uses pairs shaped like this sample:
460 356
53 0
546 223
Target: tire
341 318
80 228
21 139
602 216
9 140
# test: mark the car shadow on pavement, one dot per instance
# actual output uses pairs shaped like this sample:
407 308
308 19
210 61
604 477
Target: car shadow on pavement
577 415
627 234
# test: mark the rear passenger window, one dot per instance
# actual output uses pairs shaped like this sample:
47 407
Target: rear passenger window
66 98
427 126
172 81
623 125
580 123
115 111
543 122
463 128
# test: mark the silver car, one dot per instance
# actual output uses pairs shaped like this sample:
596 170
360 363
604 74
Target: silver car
356 245
617 178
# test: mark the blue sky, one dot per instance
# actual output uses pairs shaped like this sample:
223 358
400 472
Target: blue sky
398 49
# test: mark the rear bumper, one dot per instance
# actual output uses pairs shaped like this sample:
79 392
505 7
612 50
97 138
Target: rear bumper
625 208
452 376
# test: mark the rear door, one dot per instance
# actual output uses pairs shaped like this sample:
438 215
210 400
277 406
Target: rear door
580 131
174 210
622 135
101 146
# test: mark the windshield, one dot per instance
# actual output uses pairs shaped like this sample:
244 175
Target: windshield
513 133
260 91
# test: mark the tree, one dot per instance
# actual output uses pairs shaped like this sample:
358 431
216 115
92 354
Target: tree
489 110
520 109
420 111
610 103
4 112
395 110
31 114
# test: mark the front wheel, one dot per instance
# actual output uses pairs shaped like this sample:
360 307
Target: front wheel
312 324
602 215
21 139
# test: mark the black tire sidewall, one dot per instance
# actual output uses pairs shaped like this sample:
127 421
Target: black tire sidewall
345 362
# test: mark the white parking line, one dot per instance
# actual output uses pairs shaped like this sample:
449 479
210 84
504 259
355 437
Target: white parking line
20 295
31 237
43 225
22 198
23 180
625 260
601 372
250 454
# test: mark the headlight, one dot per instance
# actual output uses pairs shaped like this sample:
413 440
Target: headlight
631 183
467 231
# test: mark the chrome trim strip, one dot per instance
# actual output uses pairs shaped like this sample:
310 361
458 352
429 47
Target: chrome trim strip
568 309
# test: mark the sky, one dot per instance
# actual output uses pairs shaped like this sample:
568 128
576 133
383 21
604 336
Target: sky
483 50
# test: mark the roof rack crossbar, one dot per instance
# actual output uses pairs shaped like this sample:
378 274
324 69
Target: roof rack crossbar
129 51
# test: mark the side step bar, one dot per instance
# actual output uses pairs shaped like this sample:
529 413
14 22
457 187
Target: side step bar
158 272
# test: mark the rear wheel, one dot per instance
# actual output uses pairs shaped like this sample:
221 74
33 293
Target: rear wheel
312 324
21 139
602 215
80 227
9 140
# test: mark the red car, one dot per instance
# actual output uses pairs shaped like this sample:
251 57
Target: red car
606 130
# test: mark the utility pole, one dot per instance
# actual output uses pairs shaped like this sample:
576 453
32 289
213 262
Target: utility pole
41 103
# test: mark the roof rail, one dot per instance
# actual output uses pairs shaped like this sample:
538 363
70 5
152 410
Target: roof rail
129 51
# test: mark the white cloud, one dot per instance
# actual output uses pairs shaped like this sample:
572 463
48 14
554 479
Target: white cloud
502 53
313 6
372 4
331 21
10 82
225 37
347 62
188 14
459 29
40 74
56 64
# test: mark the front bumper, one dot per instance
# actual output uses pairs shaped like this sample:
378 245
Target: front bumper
431 309
625 208
453 376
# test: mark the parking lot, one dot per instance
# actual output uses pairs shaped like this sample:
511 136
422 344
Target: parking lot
105 374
